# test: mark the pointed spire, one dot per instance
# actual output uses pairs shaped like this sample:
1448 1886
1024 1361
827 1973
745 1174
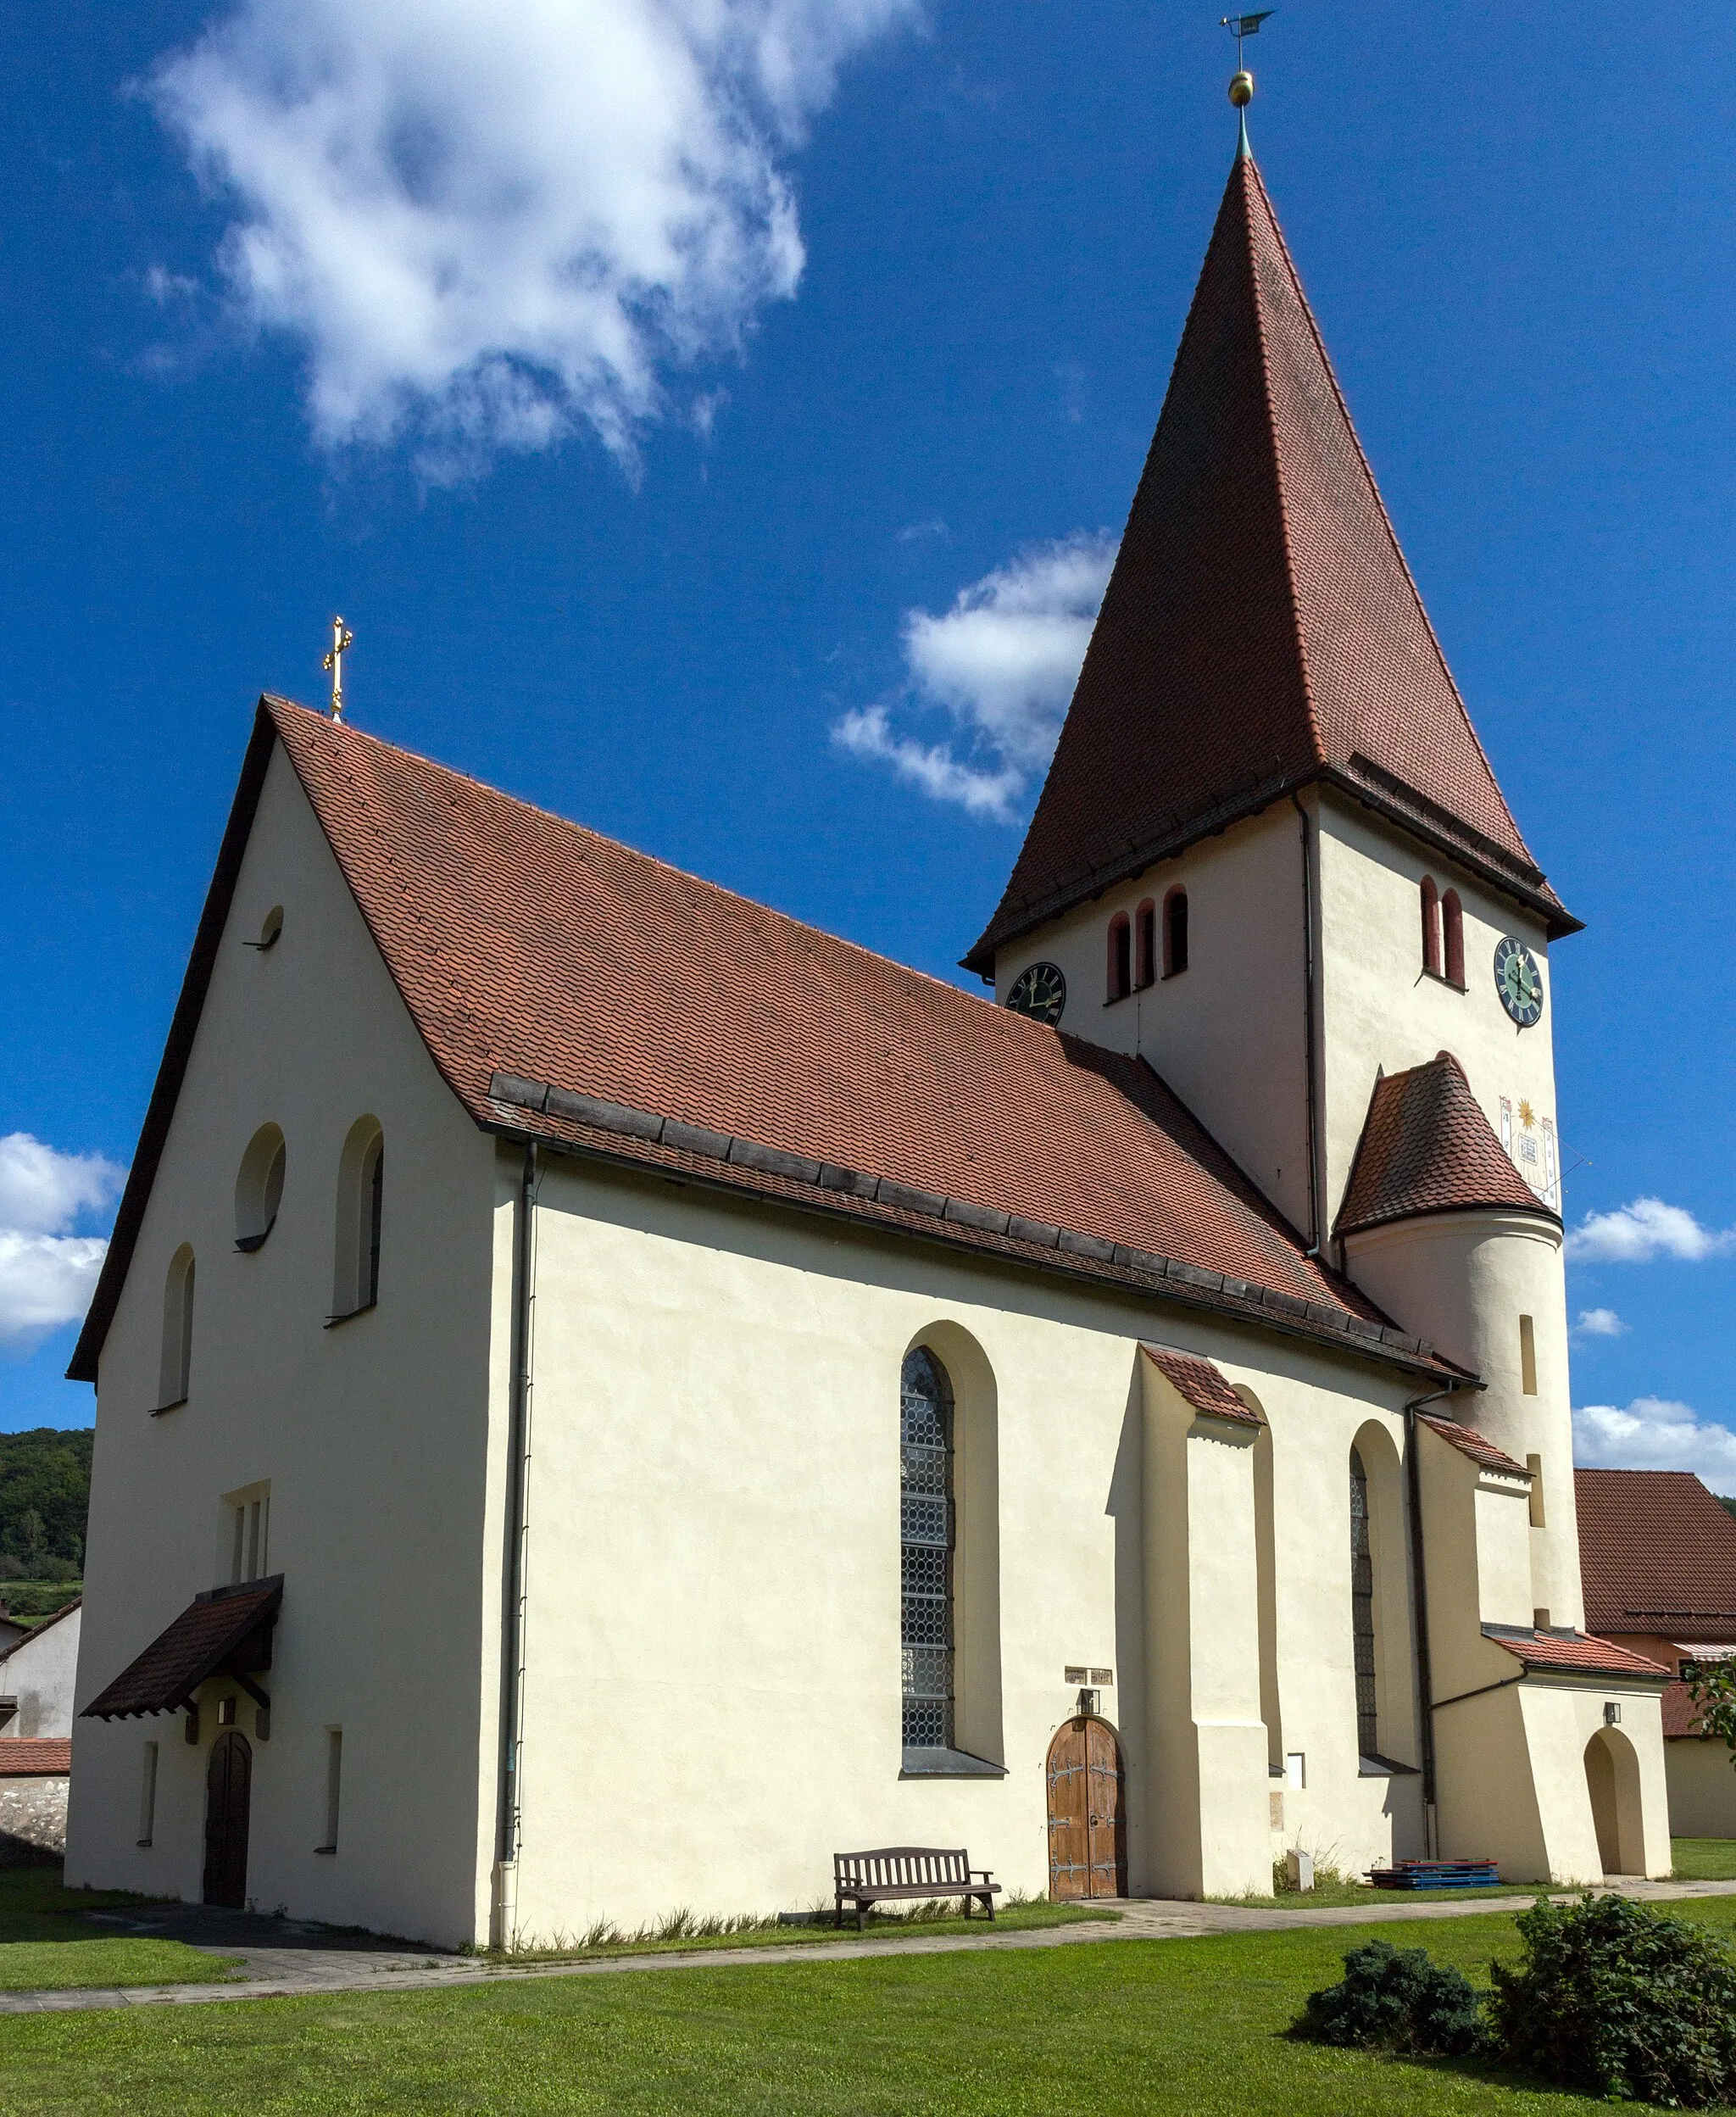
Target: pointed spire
1260 630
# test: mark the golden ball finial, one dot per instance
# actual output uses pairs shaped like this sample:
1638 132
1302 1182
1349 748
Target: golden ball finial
1242 88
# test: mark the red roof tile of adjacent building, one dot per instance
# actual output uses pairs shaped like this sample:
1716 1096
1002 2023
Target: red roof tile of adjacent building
35 1756
1657 1554
1201 1384
1469 1442
1681 1714
1571 1651
533 953
1427 1147
1261 629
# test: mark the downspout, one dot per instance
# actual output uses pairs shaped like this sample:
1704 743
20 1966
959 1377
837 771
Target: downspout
1316 1216
1419 1611
512 1644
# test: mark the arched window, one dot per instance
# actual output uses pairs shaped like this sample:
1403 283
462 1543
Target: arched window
361 1191
1121 957
1453 920
258 1188
1431 927
178 1331
1145 944
1174 933
1362 1611
927 1532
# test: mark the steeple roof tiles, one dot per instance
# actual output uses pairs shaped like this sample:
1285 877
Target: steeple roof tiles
1427 1147
1260 629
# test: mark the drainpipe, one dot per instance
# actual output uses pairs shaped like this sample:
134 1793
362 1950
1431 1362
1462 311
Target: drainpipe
1316 1216
1419 1611
505 1921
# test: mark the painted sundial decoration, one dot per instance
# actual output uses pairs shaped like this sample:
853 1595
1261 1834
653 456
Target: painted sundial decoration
1518 981
1040 991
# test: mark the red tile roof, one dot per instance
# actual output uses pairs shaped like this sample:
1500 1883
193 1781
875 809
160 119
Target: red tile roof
1570 1651
35 1756
1681 1714
1657 1554
1202 1385
726 1040
221 1630
1260 629
1469 1442
1427 1147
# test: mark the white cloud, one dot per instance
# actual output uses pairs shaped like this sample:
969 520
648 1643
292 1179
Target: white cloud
488 224
1600 1323
1001 664
1653 1434
48 1274
1647 1228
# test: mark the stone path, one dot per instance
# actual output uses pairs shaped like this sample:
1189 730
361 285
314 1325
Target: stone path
281 1956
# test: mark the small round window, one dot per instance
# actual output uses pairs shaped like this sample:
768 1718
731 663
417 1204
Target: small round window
258 1188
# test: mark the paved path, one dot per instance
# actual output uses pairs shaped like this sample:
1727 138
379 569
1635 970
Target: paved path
281 1956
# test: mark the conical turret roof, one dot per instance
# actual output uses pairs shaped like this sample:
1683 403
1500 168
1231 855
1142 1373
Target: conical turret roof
1261 629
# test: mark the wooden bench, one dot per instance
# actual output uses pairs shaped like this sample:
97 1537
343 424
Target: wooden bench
865 1879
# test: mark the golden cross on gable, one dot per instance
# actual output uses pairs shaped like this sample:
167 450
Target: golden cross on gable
343 638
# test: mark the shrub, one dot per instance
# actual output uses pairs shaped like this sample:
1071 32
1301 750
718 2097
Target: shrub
1394 1999
1624 2001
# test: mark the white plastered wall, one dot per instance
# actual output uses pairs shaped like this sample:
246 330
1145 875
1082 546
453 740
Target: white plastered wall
1702 1787
373 1436
40 1672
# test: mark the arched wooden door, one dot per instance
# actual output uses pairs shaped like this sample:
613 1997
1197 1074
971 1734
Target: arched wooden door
1088 1827
229 1785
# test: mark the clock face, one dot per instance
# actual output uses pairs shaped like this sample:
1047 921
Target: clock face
1518 981
1040 991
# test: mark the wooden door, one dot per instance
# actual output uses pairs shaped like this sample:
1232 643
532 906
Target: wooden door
228 1781
1088 1836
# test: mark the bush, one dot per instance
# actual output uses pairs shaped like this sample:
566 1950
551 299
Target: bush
1396 1999
1626 2002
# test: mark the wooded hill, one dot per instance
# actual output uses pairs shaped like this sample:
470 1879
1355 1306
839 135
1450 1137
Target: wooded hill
45 1497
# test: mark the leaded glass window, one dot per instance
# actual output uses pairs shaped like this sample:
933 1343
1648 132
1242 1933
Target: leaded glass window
926 1530
1362 1610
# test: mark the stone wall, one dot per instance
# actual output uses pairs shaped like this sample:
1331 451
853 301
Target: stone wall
32 1820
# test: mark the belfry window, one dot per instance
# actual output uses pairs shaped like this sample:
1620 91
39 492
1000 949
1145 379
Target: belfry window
361 1192
1121 957
1453 922
1362 1611
176 1365
1145 945
927 1532
1174 933
1431 927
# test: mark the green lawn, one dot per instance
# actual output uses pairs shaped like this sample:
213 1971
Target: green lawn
47 1945
1187 2028
1704 1859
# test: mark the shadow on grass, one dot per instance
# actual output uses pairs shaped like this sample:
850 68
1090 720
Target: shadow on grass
46 1943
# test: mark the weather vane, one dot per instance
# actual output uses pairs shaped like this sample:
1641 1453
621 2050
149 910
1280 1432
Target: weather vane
343 638
1241 83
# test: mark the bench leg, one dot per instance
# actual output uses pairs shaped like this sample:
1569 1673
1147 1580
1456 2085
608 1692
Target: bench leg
967 1904
838 1911
861 1916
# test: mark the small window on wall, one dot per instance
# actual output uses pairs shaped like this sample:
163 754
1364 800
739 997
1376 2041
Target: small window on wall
334 1787
1528 1357
1145 945
1174 933
1121 957
361 1194
148 1795
258 1188
1453 927
248 1514
175 1366
1431 927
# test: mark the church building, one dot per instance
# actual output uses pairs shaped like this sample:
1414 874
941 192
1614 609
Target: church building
608 1396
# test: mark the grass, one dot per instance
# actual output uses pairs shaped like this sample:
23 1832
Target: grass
1123 2028
47 1945
31 1600
1704 1859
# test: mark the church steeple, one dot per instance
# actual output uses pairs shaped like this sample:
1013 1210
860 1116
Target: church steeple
1261 630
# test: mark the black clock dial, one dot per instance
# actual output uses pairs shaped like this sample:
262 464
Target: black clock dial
1040 991
1518 981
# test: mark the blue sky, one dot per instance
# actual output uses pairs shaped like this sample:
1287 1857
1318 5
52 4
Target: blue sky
764 541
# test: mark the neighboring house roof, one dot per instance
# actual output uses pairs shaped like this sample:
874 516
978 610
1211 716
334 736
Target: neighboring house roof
570 987
47 1624
1201 1384
1260 630
1427 1147
1657 1554
1469 1442
1572 1653
221 1631
35 1756
1682 1715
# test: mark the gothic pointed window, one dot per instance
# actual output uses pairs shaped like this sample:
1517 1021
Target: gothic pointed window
1362 1610
1453 922
1121 957
1174 933
1145 945
1431 927
927 1531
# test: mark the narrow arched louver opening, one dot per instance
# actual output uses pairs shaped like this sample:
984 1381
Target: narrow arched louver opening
1121 958
1431 926
1174 933
928 1534
1453 922
1362 1611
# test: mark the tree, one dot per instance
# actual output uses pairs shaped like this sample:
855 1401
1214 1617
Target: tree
1711 1685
